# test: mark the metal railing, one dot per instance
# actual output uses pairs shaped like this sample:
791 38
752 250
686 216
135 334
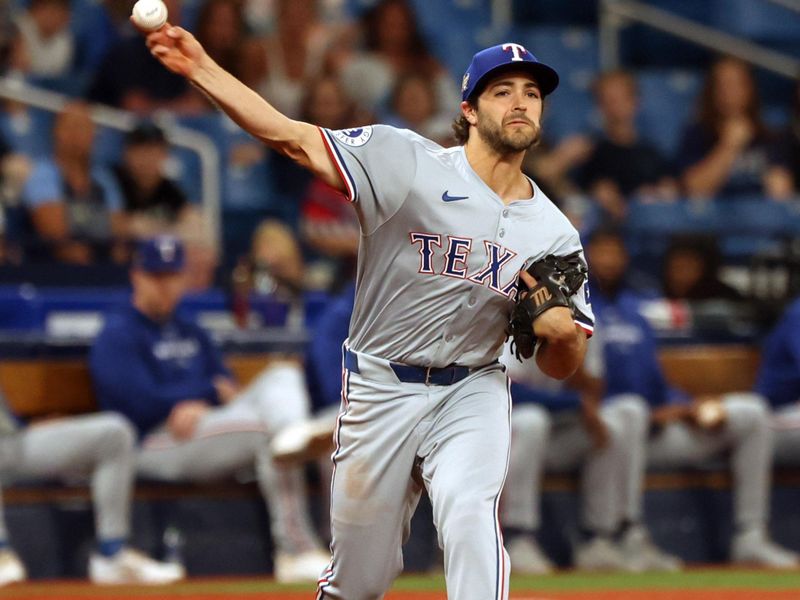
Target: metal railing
617 14
15 89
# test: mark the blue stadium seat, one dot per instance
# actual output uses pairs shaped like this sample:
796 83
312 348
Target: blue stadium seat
668 98
20 308
28 132
583 12
755 19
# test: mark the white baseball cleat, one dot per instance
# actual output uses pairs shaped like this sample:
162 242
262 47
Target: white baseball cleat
303 441
130 566
11 568
527 557
301 568
641 554
599 554
755 548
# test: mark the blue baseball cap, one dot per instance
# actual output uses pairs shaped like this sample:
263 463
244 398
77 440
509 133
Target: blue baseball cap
510 56
161 254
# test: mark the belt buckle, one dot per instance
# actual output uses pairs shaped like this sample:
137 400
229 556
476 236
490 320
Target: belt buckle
428 375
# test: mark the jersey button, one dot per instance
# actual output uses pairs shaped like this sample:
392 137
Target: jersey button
448 337
502 232
471 301
505 212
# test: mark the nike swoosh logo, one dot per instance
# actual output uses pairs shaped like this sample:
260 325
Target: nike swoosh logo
448 198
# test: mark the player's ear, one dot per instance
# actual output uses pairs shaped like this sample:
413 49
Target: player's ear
470 112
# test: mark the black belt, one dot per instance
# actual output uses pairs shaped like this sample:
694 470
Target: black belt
427 375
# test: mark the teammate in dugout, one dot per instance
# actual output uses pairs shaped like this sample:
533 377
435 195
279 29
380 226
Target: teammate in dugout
444 236
685 431
100 447
161 370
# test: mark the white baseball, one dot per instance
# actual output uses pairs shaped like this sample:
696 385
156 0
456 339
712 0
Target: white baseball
149 14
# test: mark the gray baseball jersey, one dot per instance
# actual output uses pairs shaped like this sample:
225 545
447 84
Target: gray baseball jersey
438 266
440 251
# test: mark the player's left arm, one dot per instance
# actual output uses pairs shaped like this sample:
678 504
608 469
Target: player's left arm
562 343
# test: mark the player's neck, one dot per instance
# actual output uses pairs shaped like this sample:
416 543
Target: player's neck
501 172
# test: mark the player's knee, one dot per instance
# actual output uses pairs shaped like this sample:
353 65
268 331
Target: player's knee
634 412
530 420
747 411
119 435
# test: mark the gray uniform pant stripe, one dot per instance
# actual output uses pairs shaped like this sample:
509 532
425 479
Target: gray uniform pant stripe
97 446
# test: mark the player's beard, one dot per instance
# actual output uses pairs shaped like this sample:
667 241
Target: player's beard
506 142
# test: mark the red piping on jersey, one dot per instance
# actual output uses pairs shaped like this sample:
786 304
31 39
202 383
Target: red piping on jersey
351 193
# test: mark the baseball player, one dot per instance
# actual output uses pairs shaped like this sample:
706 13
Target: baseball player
685 431
444 235
162 371
101 447
558 428
779 381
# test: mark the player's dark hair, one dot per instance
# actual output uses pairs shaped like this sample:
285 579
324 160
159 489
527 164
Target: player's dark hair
461 125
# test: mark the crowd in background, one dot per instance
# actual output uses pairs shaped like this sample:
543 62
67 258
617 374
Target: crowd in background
71 197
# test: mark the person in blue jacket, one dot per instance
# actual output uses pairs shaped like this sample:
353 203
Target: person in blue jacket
779 381
685 431
560 426
162 371
311 438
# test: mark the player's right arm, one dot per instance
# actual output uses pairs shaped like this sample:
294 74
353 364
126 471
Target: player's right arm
181 53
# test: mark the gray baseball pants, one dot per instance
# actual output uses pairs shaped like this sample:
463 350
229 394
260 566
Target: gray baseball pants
611 477
746 435
458 435
98 446
235 438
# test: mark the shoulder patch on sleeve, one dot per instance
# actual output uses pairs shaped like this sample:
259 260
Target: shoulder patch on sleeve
354 137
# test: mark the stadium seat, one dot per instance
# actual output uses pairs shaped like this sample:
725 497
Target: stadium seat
668 98
28 132
755 19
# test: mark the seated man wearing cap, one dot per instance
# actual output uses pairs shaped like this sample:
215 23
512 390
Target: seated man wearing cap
163 372
100 447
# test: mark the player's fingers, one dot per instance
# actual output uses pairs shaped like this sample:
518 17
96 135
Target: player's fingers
175 32
527 279
159 50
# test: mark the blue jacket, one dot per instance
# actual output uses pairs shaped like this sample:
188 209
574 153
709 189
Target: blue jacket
325 352
779 375
142 369
629 350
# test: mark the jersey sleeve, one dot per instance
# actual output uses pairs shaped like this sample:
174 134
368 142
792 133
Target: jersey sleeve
377 165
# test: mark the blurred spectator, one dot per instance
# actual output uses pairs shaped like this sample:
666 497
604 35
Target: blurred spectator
15 169
691 270
151 200
130 78
725 153
412 105
195 422
621 165
292 56
220 28
686 431
154 204
393 46
45 44
558 429
328 224
779 380
784 173
99 447
278 270
75 208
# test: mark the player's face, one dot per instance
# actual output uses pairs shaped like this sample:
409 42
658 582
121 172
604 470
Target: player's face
157 294
509 113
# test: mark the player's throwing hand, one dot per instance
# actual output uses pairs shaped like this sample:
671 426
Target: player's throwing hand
176 49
